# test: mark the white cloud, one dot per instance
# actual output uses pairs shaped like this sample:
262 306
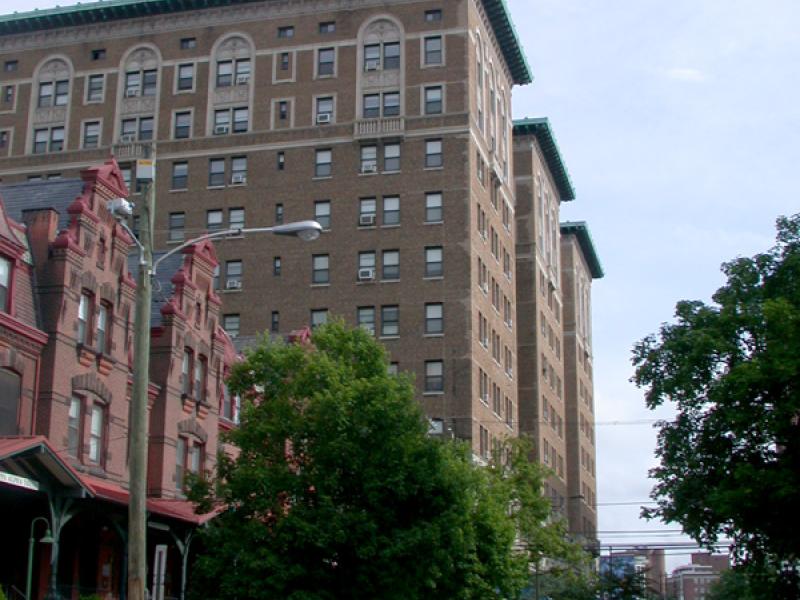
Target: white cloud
686 74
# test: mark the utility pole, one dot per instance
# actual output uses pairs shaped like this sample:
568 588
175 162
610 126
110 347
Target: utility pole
137 508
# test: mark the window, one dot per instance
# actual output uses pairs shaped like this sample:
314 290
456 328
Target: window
322 213
183 125
368 209
433 261
239 170
433 50
91 134
233 275
391 265
188 43
281 160
324 109
327 27
177 221
222 120
181 452
5 283
377 105
74 427
216 172
433 207
391 210
391 104
325 61
369 159
10 66
138 129
434 318
200 373
322 166
230 72
231 323
180 176
94 91
390 321
433 15
283 110
196 453
214 220
286 32
391 157
96 434
48 140
185 77
319 268
3 139
276 266
236 218
53 93
433 153
10 396
84 317
284 61
8 94
365 318
366 266
391 56
278 213
102 332
434 376
275 321
98 54
433 100
319 316
142 83
393 368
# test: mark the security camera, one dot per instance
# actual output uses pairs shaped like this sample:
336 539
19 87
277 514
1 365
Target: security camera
120 207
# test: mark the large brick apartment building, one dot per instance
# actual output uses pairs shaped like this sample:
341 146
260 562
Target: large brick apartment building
66 304
389 123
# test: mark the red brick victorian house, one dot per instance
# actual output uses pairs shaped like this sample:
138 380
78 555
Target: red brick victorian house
67 294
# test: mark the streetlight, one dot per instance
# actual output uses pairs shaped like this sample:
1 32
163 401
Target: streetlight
47 539
137 511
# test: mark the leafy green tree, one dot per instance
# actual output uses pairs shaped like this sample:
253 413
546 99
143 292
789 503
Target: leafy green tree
730 461
337 491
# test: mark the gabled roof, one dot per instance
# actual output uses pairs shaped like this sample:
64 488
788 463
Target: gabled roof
581 231
163 287
56 194
112 10
541 129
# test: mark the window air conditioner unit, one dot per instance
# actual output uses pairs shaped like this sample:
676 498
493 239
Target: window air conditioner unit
238 178
131 92
323 118
127 138
233 284
369 167
372 65
366 274
220 129
366 219
242 79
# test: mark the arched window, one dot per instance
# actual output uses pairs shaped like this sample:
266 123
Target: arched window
53 84
10 395
230 85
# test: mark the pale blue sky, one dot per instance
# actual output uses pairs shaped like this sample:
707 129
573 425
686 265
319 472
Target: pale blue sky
678 121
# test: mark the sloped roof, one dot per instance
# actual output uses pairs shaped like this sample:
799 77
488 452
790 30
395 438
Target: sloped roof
541 129
111 10
162 281
581 231
56 194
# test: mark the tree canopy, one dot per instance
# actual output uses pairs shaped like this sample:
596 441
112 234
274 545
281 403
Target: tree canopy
337 491
730 461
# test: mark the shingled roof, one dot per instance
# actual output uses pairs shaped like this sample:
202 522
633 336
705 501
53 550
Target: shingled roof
55 194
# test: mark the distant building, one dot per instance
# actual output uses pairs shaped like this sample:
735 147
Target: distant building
66 327
642 562
695 580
